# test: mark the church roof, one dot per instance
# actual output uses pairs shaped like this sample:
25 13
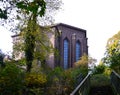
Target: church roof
69 26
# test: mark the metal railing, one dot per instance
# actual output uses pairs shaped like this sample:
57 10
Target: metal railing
115 81
83 88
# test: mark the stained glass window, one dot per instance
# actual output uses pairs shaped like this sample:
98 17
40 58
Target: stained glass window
66 53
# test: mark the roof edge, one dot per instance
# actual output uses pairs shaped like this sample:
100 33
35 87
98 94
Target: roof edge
70 26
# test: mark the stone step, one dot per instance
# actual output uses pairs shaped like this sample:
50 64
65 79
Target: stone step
103 90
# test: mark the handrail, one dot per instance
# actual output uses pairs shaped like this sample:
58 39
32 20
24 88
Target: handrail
115 80
84 87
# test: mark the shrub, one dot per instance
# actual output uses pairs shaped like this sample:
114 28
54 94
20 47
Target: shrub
83 62
82 65
107 71
55 81
99 69
2 55
21 62
98 80
35 80
62 82
11 80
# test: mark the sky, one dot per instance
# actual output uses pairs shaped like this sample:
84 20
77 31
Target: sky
5 40
100 18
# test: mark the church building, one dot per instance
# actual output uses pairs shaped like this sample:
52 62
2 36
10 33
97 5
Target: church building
71 42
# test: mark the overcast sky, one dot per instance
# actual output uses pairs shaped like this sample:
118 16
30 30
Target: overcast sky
5 40
101 19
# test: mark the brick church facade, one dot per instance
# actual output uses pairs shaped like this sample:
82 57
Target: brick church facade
71 42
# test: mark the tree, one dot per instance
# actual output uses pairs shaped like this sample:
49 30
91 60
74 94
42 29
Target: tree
13 18
91 64
2 55
33 29
86 62
11 80
83 62
29 13
112 54
8 14
3 14
32 9
99 69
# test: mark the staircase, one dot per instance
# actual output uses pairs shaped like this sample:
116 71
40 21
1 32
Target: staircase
103 90
100 85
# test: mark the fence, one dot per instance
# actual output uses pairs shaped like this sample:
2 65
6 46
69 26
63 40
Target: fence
83 88
115 80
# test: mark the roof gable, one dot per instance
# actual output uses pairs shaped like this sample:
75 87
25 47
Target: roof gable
69 26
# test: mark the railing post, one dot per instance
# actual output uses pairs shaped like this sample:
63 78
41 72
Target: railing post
115 81
83 88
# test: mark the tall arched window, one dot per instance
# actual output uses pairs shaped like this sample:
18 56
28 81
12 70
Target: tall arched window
66 53
78 50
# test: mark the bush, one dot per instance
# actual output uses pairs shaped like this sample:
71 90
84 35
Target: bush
2 55
99 69
11 80
35 83
63 82
100 80
40 81
55 81
35 80
22 62
83 62
107 71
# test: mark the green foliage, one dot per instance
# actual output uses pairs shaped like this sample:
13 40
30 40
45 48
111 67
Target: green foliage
30 42
55 81
2 55
27 5
37 44
11 80
35 80
30 14
107 71
55 73
21 62
82 63
33 6
40 81
31 28
98 80
36 91
3 14
99 69
34 47
113 52
102 69
43 46
33 9
63 81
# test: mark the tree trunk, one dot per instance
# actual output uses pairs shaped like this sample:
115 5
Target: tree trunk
30 42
